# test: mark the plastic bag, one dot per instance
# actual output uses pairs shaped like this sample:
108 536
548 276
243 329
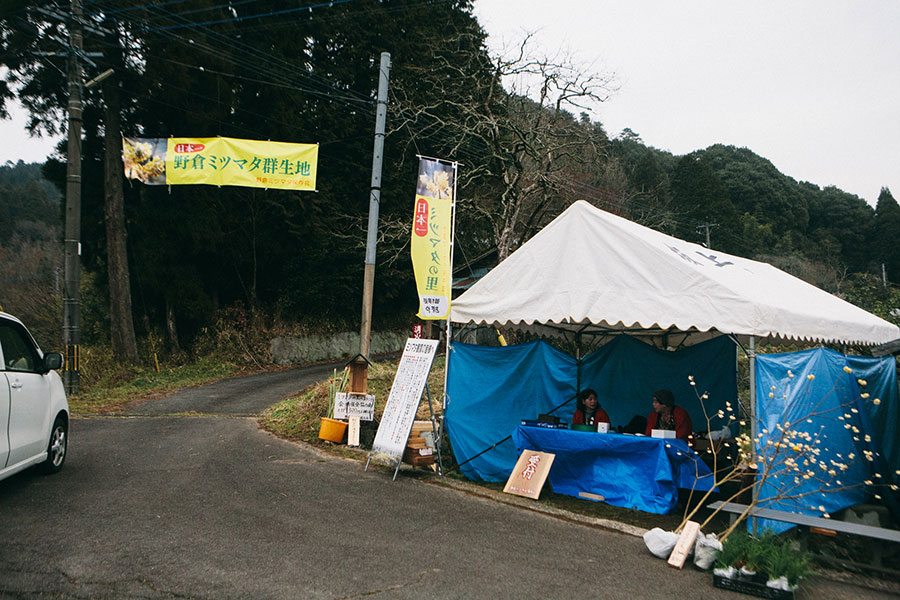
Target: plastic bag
660 542
780 584
706 550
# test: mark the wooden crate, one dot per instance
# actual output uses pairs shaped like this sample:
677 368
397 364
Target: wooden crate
412 457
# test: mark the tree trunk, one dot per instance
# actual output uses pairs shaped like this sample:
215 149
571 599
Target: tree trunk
124 346
170 326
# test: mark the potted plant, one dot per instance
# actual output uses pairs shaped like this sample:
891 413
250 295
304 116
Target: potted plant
786 566
765 566
330 429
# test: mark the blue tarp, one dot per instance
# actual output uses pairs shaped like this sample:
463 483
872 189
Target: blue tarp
830 409
492 389
629 471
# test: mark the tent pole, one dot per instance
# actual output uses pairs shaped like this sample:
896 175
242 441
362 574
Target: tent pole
577 363
753 412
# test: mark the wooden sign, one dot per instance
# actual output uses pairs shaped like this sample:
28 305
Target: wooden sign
684 544
529 474
353 431
403 401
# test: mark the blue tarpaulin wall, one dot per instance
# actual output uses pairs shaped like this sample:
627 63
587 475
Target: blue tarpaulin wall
491 389
811 392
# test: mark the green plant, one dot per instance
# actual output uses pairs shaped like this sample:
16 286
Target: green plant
787 561
760 551
734 550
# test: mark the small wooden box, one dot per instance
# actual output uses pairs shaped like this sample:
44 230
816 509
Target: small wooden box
414 457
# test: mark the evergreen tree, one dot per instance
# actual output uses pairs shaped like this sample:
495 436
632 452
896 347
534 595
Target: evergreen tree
886 234
700 200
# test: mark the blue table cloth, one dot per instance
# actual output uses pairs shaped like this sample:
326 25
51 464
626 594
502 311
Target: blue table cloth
629 471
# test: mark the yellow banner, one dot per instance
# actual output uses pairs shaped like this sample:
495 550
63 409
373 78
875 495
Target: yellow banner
431 238
221 161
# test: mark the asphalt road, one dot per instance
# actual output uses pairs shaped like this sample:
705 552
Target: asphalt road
213 507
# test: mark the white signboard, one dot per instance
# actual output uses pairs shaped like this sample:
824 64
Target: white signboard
354 405
403 401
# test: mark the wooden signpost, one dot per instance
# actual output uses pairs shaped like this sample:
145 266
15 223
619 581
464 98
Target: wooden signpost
403 403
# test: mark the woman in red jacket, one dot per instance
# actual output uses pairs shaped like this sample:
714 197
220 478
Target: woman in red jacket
666 415
588 411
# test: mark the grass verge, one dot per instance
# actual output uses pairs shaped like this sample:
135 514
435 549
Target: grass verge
113 393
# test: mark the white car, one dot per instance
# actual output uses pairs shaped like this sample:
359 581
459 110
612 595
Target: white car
34 412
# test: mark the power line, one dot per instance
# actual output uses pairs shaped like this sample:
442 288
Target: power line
251 17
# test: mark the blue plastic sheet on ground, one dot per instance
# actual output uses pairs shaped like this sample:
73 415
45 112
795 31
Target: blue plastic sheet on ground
824 466
492 389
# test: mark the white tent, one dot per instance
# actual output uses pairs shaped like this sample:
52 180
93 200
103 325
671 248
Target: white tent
593 273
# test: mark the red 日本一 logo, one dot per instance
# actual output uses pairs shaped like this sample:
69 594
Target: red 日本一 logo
420 220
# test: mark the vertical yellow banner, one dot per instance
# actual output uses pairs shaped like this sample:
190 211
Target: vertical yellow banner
431 237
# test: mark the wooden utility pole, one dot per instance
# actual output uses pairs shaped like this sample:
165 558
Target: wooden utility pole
707 226
72 287
374 200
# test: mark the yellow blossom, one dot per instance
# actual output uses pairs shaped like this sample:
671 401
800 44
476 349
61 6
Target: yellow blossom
810 377
848 370
876 401
861 381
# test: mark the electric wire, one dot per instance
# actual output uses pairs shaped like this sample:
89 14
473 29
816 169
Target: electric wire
255 60
275 13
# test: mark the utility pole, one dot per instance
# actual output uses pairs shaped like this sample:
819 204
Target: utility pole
374 200
707 227
72 287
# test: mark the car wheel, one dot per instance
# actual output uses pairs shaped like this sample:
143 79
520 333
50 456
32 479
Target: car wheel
56 448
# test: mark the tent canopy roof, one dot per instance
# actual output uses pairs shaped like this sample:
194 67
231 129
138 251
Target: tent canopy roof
592 272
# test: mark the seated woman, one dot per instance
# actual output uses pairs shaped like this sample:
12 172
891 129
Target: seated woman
588 411
666 415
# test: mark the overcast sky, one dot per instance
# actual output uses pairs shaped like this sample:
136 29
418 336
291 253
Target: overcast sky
813 85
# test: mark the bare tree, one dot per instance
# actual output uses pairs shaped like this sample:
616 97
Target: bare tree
521 147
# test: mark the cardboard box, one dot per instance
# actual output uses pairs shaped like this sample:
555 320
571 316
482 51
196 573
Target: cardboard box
666 434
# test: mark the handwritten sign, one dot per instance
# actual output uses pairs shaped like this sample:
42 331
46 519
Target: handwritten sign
529 474
403 401
354 405
684 544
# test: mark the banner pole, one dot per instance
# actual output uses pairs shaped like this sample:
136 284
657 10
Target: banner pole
449 330
450 303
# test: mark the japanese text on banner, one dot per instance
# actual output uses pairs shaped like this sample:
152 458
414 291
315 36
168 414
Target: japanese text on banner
221 161
431 238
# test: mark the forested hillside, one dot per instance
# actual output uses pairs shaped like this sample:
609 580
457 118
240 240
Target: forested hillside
270 72
31 256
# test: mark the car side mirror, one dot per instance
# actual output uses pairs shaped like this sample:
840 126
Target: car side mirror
52 361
